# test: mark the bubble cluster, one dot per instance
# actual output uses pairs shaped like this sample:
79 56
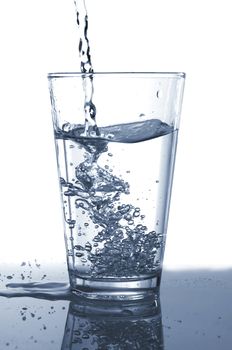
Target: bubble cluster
117 242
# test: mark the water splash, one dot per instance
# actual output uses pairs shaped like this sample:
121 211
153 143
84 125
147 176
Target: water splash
48 291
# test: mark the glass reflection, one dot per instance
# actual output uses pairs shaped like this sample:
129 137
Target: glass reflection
113 326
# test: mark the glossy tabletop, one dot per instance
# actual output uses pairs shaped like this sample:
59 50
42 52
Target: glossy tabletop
195 314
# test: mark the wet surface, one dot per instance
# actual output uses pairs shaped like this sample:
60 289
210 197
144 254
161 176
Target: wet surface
196 314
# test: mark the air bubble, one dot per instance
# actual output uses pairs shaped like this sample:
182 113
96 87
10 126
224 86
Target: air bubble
66 127
92 258
127 217
83 260
110 136
88 247
71 223
85 336
62 181
139 226
124 208
107 245
78 247
79 254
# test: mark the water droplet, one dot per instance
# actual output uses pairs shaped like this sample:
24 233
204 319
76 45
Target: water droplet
86 224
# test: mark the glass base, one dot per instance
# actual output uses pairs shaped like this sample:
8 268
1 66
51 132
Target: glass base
111 290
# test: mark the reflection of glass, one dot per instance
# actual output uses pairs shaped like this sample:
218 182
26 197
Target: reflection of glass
119 326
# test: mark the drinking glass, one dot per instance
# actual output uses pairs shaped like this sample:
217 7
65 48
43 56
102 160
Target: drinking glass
115 137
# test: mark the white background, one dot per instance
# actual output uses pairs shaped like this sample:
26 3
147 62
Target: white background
145 35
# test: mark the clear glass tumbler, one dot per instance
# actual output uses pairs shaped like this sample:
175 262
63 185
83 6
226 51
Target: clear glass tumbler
116 137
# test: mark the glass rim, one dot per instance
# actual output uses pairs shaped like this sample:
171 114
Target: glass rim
123 74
